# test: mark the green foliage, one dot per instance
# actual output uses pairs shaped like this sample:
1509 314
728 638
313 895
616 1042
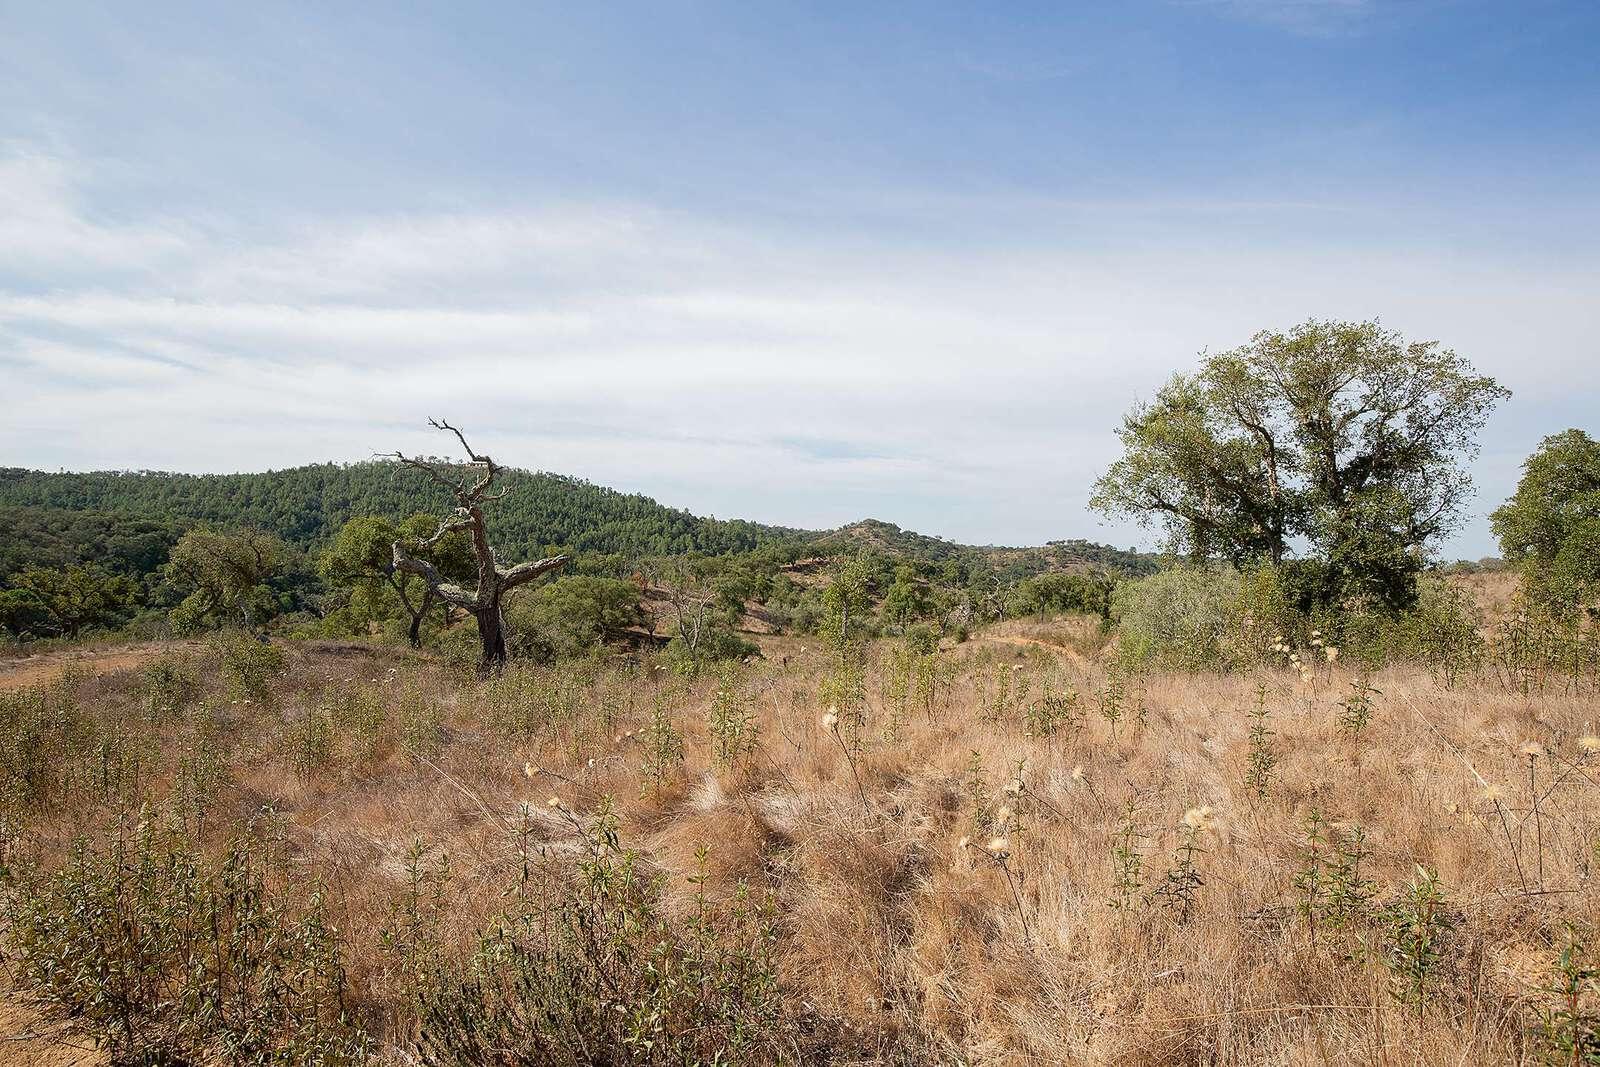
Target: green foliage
1568 1027
413 938
730 721
171 685
1340 434
227 576
1127 865
1416 928
1181 885
1550 528
73 533
173 958
1060 593
64 602
605 976
661 742
1181 619
1355 710
1263 758
1444 630
42 729
1058 705
307 505
360 561
573 615
248 666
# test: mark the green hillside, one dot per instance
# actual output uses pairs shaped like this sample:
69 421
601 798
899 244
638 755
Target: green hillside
307 505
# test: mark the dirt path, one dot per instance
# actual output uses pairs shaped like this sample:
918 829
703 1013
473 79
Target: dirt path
1077 658
30 1035
44 669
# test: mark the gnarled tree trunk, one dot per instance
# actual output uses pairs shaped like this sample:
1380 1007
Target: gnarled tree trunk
493 580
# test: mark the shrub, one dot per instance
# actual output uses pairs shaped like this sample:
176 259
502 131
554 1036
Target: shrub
248 665
172 958
606 977
571 616
41 729
1181 619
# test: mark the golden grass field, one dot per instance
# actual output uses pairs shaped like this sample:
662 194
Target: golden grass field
904 937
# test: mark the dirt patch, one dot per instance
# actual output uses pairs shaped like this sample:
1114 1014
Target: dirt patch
31 1034
42 670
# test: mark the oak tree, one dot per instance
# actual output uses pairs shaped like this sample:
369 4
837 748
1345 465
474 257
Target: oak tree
1342 440
471 485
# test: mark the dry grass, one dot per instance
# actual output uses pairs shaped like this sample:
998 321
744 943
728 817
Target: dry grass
907 947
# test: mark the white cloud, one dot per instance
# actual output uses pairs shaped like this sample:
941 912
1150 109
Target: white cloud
966 387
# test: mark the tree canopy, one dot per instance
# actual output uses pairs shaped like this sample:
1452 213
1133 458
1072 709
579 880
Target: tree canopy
1551 525
1340 439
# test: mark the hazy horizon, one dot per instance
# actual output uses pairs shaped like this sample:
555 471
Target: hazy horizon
798 266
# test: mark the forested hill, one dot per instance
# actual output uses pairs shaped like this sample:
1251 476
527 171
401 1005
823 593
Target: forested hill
307 505
127 518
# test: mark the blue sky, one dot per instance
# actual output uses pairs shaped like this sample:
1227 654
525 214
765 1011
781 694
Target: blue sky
798 263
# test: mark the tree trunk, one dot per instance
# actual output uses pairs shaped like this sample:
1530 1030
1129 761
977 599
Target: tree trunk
492 631
415 633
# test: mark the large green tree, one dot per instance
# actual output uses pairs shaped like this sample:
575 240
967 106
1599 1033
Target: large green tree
226 574
361 559
64 601
1342 443
1551 526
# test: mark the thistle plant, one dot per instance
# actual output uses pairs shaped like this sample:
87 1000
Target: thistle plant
1018 789
1183 880
731 723
1000 699
1310 880
1263 760
927 682
1416 928
977 790
832 724
1127 865
661 743
997 851
1113 698
899 667
413 939
1568 1030
1533 751
1355 710
1495 795
1346 893
1053 710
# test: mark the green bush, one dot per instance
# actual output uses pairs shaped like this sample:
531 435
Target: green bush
172 958
1181 619
248 665
571 616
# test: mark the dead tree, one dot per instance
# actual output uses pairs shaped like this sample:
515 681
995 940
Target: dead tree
471 489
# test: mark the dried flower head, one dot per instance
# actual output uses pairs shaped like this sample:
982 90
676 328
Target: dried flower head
554 802
1003 816
1589 743
1014 787
1532 749
1332 652
999 847
830 719
1077 773
1200 819
964 843
1494 794
529 770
